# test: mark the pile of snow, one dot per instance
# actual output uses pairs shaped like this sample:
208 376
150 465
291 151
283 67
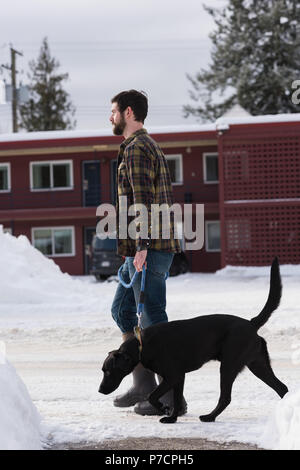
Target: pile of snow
36 295
31 278
282 431
20 421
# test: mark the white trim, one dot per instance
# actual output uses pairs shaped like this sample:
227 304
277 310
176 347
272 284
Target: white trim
208 154
249 201
52 228
177 157
207 249
51 163
7 165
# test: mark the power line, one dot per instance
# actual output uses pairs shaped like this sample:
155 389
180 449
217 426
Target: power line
118 46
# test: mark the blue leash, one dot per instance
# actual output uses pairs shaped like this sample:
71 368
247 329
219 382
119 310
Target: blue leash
140 308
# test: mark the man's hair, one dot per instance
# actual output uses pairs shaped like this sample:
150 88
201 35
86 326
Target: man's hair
137 100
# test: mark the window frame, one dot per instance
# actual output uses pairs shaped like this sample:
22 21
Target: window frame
7 165
177 157
205 156
51 163
207 249
58 255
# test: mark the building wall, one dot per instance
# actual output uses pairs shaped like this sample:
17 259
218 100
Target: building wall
260 194
193 189
68 264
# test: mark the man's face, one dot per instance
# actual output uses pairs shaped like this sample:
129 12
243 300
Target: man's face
117 119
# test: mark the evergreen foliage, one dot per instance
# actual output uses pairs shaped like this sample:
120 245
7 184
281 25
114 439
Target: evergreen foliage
48 107
255 58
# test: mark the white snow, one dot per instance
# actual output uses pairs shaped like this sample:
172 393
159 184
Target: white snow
58 329
282 430
283 20
234 116
223 123
104 132
20 420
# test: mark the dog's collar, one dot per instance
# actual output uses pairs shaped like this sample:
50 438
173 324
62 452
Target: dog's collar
137 334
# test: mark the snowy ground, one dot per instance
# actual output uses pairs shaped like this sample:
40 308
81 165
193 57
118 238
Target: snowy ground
57 331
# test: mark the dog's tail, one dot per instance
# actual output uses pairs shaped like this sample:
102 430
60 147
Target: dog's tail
273 299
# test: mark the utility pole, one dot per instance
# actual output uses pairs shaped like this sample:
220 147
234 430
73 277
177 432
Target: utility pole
13 71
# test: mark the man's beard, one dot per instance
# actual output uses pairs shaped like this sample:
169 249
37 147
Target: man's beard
118 129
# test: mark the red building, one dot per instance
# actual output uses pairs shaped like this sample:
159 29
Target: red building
246 172
259 166
52 182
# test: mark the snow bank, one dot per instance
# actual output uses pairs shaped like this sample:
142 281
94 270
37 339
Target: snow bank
258 271
20 421
282 431
30 277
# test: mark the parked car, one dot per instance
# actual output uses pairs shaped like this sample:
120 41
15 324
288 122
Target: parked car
106 261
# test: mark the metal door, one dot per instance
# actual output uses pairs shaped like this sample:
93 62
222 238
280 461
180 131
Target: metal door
91 188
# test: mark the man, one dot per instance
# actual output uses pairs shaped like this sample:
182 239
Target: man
142 178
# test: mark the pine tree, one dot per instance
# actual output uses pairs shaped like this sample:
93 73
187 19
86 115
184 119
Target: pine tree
48 107
255 58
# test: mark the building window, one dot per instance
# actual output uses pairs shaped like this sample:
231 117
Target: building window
4 177
54 241
212 235
175 168
51 175
210 168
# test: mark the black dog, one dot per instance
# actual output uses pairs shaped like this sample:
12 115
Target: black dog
175 348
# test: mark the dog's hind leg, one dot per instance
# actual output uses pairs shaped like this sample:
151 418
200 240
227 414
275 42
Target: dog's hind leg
228 375
261 367
178 396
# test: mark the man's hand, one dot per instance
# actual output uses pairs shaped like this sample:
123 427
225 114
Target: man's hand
139 260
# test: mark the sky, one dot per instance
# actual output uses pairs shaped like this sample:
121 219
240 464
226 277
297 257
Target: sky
110 46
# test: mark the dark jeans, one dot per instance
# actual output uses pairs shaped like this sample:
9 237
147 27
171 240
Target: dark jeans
125 302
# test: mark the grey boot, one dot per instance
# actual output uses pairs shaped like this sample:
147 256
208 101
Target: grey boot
143 384
144 408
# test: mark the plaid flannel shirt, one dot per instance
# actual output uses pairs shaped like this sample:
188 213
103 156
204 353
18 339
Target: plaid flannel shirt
143 177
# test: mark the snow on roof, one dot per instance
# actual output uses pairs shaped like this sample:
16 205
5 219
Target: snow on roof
224 122
105 132
221 123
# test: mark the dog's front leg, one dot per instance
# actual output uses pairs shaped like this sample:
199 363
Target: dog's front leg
154 397
178 397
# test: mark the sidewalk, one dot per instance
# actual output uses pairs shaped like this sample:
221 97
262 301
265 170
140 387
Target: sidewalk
157 444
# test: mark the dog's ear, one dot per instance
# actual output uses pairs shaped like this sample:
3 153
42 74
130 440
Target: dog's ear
123 361
116 356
